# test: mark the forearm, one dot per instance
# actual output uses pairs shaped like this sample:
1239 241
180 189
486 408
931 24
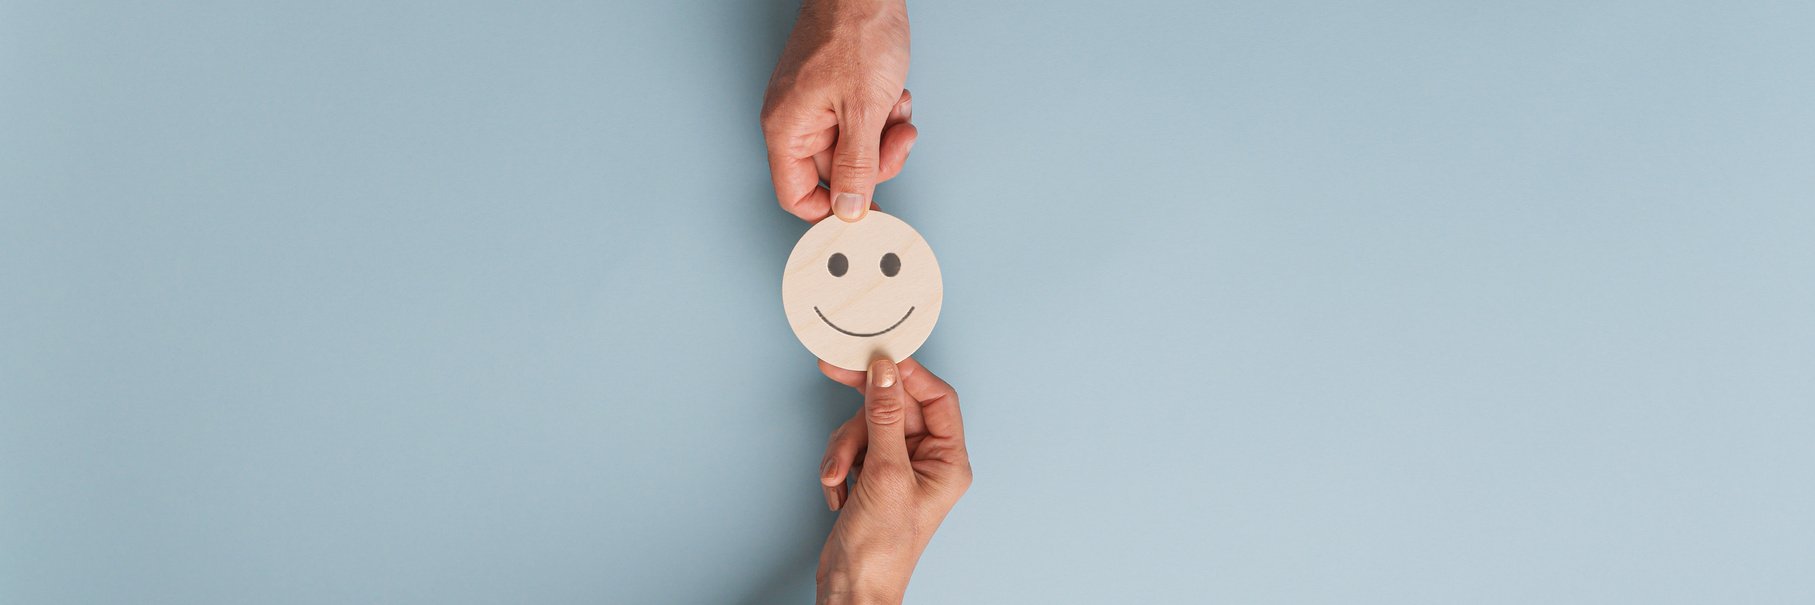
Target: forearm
859 570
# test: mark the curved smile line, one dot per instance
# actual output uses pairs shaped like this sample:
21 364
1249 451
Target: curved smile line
822 317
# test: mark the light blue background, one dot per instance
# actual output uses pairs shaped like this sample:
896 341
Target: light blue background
1249 302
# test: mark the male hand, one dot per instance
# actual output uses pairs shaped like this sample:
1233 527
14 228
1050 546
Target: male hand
837 110
906 450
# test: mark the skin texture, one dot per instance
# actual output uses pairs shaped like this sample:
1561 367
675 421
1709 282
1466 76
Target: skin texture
837 111
893 471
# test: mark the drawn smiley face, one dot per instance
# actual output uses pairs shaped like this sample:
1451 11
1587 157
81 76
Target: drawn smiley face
854 292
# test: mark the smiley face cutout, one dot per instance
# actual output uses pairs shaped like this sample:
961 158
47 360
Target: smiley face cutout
854 292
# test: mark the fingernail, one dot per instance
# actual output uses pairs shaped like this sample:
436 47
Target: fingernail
825 468
882 374
848 206
907 109
831 498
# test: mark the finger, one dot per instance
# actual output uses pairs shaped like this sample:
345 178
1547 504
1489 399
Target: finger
842 449
897 141
793 134
822 164
885 414
822 161
843 490
822 139
944 427
849 378
842 452
903 110
855 379
938 401
797 188
857 160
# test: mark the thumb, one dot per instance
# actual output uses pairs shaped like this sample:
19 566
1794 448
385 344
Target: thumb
856 162
885 414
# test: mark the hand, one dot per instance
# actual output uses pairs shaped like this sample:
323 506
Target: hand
908 443
837 109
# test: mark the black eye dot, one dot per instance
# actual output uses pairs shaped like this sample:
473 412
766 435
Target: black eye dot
891 264
838 265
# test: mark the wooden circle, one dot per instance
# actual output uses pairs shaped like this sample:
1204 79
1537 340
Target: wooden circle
855 292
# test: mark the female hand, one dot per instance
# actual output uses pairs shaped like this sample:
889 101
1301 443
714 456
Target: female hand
837 110
908 442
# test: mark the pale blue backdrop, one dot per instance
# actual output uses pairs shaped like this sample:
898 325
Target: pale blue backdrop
1248 302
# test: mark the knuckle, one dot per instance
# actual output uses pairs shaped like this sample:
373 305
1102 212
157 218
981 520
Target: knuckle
866 106
855 159
868 102
795 146
885 410
787 136
771 121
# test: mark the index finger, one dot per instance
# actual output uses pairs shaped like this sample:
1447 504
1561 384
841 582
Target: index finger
797 187
793 133
938 402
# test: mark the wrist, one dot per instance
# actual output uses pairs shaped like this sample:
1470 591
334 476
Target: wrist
841 587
